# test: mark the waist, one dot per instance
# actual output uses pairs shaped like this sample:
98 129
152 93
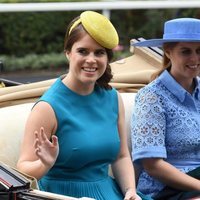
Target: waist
78 175
76 179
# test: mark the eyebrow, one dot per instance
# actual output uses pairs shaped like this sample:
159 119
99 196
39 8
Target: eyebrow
99 49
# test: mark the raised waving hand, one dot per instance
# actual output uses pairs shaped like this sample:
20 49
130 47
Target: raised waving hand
46 150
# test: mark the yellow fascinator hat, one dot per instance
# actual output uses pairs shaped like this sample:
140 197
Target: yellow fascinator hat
99 28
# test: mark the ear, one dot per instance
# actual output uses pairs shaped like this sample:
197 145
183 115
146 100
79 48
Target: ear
167 53
67 55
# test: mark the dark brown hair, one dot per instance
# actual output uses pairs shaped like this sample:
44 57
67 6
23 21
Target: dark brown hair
75 34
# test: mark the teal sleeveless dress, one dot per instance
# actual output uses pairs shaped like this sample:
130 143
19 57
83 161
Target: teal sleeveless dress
88 140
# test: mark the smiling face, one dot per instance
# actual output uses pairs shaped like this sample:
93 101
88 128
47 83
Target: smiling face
185 61
87 62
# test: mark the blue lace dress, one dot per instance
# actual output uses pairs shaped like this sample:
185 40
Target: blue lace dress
88 140
166 124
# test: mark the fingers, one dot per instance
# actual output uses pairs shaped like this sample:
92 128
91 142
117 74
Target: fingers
43 135
40 137
54 140
130 195
133 198
37 140
37 143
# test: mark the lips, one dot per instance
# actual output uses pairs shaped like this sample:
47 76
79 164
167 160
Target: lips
89 69
193 66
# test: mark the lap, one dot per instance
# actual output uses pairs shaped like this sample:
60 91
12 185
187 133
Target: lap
169 193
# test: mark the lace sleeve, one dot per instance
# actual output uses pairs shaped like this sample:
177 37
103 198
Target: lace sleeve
148 125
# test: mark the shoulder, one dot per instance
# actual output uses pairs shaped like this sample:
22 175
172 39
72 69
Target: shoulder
153 93
111 98
107 93
43 109
152 88
55 86
42 114
54 93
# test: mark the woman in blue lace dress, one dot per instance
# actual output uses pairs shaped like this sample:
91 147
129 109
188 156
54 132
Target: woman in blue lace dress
166 119
76 129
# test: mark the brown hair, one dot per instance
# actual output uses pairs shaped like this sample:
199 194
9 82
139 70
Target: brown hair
75 34
166 61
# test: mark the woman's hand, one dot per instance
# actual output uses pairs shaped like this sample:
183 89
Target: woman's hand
46 150
131 195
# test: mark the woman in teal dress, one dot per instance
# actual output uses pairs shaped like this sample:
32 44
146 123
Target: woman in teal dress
76 129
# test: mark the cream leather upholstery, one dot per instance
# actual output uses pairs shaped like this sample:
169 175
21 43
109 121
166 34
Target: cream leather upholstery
12 124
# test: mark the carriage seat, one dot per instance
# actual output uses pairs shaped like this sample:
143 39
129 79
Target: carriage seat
12 124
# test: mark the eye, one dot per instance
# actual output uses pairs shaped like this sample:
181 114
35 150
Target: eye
82 51
198 51
100 52
186 52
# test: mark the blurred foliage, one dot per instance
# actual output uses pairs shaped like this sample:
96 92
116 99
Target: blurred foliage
51 61
146 23
30 36
42 32
34 62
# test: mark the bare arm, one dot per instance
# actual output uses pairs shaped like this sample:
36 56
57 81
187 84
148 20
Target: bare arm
34 159
122 168
169 175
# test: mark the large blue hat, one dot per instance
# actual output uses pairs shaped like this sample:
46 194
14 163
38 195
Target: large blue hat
176 30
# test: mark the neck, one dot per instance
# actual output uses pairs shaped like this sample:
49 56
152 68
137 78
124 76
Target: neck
190 88
77 86
188 85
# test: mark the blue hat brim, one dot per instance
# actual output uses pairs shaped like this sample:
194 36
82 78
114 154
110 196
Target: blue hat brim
160 42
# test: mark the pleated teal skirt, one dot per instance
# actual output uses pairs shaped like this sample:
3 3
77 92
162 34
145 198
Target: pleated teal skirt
105 189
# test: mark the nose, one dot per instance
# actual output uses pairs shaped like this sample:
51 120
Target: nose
195 57
91 58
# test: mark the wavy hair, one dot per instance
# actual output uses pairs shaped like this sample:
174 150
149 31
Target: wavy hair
166 61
